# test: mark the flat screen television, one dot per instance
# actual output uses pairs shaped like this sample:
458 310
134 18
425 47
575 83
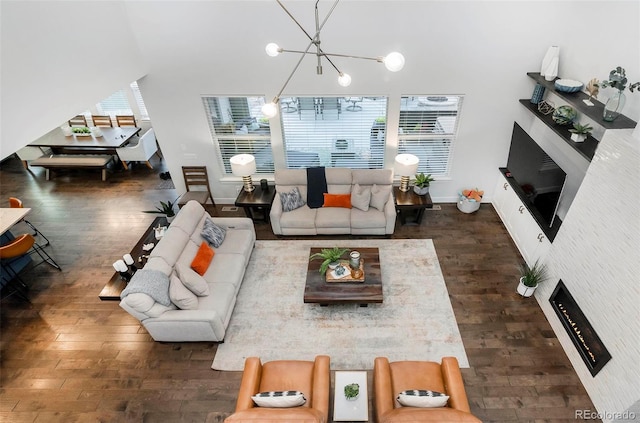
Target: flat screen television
540 179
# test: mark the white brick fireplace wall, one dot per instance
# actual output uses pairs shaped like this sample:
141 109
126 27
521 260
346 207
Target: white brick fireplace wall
597 256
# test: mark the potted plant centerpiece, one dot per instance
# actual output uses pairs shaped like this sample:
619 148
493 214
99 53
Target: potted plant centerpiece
166 209
618 80
421 184
351 391
579 132
531 278
330 256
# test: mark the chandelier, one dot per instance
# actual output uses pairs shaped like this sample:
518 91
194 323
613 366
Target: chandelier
393 61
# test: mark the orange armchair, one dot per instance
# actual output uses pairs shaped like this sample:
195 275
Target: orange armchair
313 378
389 379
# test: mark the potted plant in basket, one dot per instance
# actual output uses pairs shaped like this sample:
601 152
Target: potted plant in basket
330 257
351 391
579 132
531 278
421 184
166 209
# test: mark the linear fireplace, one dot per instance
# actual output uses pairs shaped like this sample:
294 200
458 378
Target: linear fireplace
584 337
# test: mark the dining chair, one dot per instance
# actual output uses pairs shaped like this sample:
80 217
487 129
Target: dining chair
354 107
16 203
196 177
78 120
16 249
126 120
142 151
102 120
307 103
330 103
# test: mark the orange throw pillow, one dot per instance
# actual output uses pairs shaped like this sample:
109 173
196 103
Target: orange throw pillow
337 200
203 258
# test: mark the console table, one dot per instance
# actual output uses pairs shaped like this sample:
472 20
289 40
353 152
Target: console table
113 288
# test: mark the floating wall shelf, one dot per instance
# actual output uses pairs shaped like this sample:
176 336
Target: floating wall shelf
575 100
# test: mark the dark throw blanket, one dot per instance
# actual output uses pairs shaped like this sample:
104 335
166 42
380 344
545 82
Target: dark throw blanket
316 187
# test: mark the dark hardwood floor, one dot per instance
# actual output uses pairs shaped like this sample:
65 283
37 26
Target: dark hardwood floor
68 357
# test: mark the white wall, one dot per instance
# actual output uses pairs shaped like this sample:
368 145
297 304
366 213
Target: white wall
596 254
480 49
58 59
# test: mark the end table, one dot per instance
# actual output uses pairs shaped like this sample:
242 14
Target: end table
258 199
411 206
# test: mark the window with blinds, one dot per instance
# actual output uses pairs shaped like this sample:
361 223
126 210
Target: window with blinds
137 95
334 131
238 126
116 104
427 129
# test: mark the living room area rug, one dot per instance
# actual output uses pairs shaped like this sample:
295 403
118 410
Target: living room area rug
271 321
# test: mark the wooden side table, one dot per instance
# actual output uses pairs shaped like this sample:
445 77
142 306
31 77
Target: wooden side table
411 206
256 200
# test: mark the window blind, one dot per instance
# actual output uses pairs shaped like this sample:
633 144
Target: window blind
334 131
427 129
139 100
115 104
237 127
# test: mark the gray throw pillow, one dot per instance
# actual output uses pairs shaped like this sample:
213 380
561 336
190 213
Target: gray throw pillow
379 196
291 200
360 197
213 233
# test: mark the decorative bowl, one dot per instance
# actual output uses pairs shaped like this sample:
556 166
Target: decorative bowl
568 85
564 115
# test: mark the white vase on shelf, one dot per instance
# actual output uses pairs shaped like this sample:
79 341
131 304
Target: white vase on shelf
549 68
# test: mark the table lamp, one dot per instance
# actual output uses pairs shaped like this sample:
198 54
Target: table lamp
244 165
406 165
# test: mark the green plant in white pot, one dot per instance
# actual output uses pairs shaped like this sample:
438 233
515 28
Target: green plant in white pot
351 391
579 132
330 257
421 184
532 276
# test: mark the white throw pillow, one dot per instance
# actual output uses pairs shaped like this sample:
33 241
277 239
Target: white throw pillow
422 398
379 196
192 280
360 197
279 399
181 296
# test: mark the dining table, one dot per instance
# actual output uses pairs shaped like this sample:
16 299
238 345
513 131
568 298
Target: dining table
111 139
11 216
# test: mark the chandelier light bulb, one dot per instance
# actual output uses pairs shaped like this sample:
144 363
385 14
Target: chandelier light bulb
344 79
269 109
394 61
272 49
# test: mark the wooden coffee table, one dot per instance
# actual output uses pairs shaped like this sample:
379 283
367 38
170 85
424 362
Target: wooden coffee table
318 290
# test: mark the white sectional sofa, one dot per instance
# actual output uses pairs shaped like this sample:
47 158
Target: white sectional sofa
224 276
334 220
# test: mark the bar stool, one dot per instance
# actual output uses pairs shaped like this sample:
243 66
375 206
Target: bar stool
16 203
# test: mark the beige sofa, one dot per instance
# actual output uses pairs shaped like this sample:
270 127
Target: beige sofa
224 276
333 220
